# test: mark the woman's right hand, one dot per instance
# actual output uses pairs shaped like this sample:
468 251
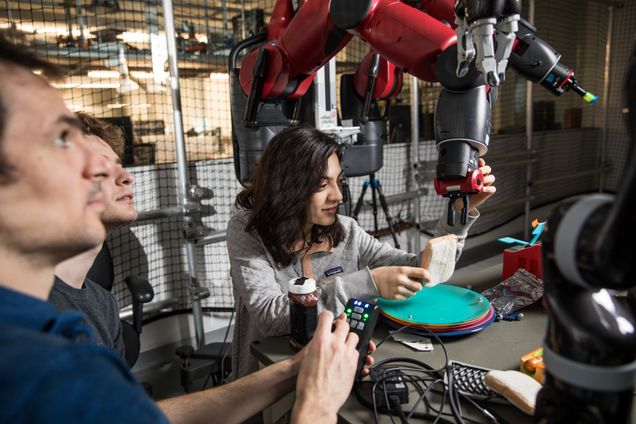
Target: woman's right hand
399 282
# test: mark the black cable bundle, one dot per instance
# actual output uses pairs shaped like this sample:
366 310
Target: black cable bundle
388 389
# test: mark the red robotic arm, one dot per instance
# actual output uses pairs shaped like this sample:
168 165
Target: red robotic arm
405 36
416 37
376 78
272 78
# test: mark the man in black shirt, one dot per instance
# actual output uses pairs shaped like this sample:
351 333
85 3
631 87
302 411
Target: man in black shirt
72 290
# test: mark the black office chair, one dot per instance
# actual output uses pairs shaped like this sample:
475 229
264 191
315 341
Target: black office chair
141 291
211 361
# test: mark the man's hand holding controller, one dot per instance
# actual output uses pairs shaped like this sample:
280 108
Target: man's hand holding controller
327 371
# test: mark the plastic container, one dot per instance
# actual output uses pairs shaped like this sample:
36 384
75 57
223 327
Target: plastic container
303 311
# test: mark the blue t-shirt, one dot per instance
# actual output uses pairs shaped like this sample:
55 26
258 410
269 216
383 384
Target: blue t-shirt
50 373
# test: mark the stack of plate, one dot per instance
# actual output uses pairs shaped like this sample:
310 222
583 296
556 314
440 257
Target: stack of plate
443 309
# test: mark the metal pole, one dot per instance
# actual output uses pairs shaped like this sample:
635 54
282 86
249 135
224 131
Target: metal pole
207 28
183 187
606 76
10 17
80 23
225 15
169 212
415 156
529 130
6 3
243 31
69 22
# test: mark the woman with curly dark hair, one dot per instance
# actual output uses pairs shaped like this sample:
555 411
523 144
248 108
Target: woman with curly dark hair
286 226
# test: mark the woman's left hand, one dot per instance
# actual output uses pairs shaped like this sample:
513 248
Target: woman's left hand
489 189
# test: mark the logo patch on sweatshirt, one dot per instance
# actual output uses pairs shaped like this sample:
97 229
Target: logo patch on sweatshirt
333 271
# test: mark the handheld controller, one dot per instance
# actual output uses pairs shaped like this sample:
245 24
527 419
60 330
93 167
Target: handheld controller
361 316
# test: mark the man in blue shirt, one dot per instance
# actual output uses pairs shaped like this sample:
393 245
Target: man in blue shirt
50 210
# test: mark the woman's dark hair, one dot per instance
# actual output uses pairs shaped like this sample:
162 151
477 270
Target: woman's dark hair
288 173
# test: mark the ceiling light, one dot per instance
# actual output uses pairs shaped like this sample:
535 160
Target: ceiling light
134 37
147 75
219 76
117 105
103 74
86 85
33 28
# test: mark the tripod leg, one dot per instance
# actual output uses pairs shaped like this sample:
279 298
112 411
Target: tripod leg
374 202
356 210
346 197
385 208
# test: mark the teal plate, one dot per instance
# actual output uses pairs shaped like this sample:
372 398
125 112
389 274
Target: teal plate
439 305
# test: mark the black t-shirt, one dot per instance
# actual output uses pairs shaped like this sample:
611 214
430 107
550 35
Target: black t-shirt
98 306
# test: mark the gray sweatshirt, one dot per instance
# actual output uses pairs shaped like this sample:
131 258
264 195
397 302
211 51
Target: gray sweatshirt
260 284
